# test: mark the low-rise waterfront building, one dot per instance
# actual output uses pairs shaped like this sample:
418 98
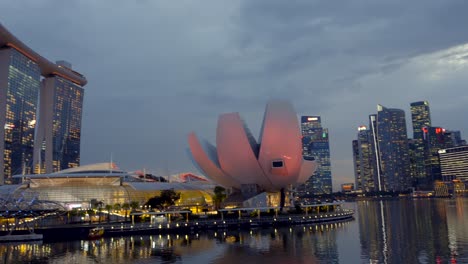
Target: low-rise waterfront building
454 163
105 184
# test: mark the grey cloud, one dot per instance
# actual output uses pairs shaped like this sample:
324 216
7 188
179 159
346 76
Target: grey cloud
160 69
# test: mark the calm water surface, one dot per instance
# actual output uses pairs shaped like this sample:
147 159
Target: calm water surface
396 231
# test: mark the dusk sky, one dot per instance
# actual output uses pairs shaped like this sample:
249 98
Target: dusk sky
158 70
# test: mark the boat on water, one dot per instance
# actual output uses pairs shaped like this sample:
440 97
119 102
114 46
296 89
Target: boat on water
96 233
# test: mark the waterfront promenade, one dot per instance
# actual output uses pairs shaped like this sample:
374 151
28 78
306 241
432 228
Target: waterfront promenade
242 223
59 231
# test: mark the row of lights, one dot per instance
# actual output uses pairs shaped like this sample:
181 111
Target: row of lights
224 222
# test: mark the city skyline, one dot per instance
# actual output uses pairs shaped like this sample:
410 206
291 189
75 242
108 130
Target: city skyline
386 158
159 70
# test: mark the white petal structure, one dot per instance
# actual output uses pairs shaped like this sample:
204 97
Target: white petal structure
237 151
281 145
238 159
208 164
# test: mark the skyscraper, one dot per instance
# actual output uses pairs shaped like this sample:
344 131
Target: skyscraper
435 139
364 166
389 132
20 86
357 166
59 130
420 117
315 143
455 137
375 154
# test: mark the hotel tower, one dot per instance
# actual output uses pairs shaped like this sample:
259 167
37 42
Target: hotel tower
40 111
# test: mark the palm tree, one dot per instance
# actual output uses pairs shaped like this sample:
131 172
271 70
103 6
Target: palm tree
99 208
108 209
219 196
126 206
134 205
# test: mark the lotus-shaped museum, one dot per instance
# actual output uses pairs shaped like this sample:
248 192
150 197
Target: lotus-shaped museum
238 160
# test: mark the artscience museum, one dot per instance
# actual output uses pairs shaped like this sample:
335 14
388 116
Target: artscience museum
255 171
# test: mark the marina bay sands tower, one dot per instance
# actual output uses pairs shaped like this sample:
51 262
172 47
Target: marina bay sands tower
40 111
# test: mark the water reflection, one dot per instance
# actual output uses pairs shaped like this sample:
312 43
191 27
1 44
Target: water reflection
398 231
307 244
300 244
411 231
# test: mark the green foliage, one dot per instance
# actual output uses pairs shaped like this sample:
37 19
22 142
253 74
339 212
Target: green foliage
125 207
219 196
164 200
134 205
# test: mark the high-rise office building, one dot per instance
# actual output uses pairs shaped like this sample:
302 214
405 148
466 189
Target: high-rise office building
420 117
59 132
20 86
454 163
435 139
455 138
374 153
364 166
315 143
357 166
412 161
392 147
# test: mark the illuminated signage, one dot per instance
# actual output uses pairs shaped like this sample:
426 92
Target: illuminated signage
439 130
361 128
312 118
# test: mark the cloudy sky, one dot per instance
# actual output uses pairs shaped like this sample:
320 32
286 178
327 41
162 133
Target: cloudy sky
160 69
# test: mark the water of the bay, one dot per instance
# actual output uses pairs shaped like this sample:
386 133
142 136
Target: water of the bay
390 231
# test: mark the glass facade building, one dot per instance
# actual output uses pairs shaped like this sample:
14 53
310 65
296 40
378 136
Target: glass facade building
19 88
420 117
59 129
315 143
102 182
435 139
364 166
40 111
67 124
357 166
393 149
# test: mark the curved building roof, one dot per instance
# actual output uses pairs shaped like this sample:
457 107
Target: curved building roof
280 140
47 68
273 163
